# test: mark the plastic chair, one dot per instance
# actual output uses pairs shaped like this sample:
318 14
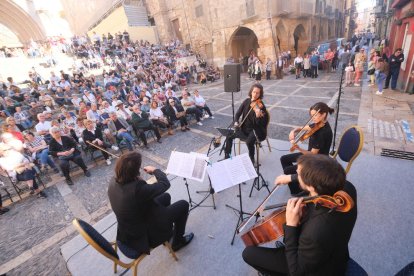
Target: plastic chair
350 145
109 250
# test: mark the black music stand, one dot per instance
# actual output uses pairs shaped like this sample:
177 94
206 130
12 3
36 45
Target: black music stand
259 182
209 192
239 212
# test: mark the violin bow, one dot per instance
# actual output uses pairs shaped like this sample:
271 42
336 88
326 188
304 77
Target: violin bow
243 224
300 134
102 149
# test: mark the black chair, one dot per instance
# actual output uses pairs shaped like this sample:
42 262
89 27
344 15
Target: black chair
354 269
109 250
350 145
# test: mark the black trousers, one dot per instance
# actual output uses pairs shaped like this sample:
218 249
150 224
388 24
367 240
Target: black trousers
314 71
248 138
197 112
289 167
206 108
177 213
64 164
141 133
270 261
28 174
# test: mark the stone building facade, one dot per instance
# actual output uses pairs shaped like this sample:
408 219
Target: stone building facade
222 29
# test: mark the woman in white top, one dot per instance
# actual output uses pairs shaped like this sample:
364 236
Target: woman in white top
306 65
158 118
298 65
201 104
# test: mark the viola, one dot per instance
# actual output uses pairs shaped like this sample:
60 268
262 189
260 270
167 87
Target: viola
270 228
306 132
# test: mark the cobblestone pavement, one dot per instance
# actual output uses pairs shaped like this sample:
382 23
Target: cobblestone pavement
34 229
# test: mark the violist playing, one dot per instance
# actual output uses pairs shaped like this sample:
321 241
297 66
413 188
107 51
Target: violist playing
319 143
253 127
315 237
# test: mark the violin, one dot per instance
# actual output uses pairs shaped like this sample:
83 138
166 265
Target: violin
270 228
257 106
306 132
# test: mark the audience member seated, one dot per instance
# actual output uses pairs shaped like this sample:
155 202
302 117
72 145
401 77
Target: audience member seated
201 104
123 112
93 135
141 123
119 128
7 128
190 108
64 148
22 117
17 166
69 123
175 112
40 151
158 118
145 105
43 127
13 124
35 109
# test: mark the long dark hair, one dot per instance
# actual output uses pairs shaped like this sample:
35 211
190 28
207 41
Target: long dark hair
127 167
258 85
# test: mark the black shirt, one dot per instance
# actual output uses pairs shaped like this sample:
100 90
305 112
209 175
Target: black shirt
118 125
322 139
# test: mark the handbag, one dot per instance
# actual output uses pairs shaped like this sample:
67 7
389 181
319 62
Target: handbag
371 71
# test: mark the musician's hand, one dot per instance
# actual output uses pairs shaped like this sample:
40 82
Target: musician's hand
283 179
258 112
149 169
294 211
236 124
292 135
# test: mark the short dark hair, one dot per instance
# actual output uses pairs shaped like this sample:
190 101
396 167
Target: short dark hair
322 172
257 85
127 167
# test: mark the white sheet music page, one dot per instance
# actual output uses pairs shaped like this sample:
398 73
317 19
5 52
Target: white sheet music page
230 172
200 166
181 164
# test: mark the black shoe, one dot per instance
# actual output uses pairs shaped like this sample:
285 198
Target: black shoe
41 194
386 87
69 181
159 141
87 173
31 191
184 241
4 210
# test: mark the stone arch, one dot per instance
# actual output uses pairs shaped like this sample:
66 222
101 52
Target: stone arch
299 38
314 36
243 40
281 34
20 22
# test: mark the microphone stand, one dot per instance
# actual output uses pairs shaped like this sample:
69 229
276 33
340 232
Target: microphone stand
337 110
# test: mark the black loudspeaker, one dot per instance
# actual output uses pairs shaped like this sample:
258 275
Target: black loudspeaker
232 77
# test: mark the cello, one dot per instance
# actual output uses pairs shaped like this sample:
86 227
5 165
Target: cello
270 228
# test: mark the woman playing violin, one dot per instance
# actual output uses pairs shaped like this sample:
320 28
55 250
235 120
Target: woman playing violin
319 133
315 238
254 121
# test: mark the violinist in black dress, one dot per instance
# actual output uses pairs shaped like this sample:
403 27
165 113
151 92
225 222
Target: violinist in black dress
315 237
253 126
319 143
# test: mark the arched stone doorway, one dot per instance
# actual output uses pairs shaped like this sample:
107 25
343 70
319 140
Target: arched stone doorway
19 22
281 35
299 39
242 42
314 34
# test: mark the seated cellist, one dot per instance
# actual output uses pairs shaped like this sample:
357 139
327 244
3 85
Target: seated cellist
315 238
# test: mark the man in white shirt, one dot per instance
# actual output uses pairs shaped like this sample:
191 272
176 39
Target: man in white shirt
43 127
190 108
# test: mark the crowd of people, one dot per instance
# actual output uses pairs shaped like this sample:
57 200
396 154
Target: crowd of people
142 88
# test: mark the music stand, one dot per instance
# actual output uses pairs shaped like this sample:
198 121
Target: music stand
211 190
259 182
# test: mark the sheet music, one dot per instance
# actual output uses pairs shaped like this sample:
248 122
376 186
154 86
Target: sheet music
191 166
230 172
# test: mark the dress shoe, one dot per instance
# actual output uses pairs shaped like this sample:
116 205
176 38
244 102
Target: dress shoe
69 181
4 210
183 242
